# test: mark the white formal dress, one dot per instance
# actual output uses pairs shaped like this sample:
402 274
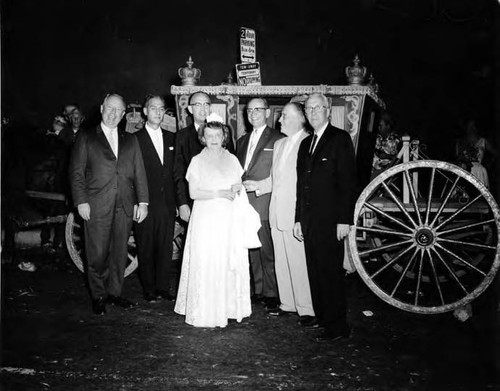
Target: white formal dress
215 279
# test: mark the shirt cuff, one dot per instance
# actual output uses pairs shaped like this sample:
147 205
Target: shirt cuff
144 203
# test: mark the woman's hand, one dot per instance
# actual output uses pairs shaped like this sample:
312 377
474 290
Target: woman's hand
226 193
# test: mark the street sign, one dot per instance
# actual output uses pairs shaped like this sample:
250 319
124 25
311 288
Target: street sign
248 74
248 49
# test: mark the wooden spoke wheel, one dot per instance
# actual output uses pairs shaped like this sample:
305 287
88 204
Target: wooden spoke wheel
426 236
76 248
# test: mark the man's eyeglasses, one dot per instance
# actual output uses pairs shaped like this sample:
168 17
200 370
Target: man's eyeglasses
256 109
314 109
199 105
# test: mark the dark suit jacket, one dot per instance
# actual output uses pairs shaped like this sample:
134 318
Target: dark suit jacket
68 136
162 194
260 165
187 145
103 181
326 181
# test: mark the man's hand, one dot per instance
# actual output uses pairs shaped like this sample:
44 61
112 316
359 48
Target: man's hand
250 186
140 213
342 231
297 232
184 212
84 211
236 188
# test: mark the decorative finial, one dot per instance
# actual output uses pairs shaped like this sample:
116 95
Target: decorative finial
356 73
189 75
229 81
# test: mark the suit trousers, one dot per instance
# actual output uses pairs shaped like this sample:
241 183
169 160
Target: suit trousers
325 255
106 247
262 264
291 273
154 249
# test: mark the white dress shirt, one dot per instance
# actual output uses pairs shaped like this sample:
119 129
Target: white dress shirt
112 137
157 139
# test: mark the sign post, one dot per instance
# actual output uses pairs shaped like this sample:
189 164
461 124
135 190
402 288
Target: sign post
248 49
248 74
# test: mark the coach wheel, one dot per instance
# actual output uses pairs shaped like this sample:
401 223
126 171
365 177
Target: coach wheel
426 236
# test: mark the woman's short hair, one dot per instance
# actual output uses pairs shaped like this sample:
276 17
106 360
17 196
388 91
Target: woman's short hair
214 125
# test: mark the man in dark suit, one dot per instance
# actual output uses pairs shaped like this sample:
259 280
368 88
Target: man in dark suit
155 234
109 188
187 145
326 183
255 153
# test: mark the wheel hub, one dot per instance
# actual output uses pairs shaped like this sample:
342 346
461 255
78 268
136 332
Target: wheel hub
424 237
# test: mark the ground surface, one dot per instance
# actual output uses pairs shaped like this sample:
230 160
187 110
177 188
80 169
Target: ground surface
51 341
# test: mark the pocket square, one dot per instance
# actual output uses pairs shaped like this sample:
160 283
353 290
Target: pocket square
268 149
171 148
324 159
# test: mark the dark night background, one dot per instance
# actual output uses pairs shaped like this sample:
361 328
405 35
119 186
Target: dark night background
434 59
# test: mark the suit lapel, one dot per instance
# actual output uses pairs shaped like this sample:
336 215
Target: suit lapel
266 133
101 137
325 138
242 151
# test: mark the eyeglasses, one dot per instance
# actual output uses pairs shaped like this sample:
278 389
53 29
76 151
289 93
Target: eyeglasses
256 109
199 105
314 109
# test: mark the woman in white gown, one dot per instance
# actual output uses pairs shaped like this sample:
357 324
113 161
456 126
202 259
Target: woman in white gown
215 282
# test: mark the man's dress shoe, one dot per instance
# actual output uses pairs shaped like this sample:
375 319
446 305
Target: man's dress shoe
120 301
150 297
329 336
308 321
258 299
99 306
165 296
279 312
271 304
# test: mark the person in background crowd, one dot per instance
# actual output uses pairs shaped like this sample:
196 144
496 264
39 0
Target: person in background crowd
69 133
109 187
326 191
255 153
289 253
68 109
188 145
51 176
387 146
215 279
155 234
470 151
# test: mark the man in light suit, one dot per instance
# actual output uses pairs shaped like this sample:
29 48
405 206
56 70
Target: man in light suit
155 234
187 145
326 187
289 253
255 153
109 188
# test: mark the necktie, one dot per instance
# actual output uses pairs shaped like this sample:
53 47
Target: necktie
251 147
112 142
313 144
